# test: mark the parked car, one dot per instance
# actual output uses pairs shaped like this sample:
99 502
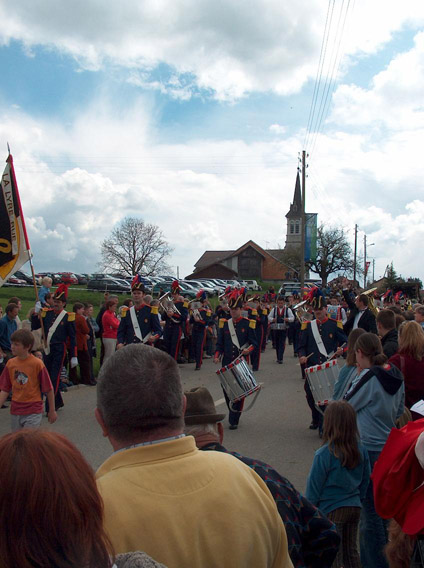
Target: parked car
68 278
252 285
198 286
82 279
109 285
53 275
23 276
13 281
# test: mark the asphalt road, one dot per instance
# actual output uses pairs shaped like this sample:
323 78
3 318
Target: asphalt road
275 430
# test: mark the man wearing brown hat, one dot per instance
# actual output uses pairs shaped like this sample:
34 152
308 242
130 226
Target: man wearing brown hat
183 507
312 538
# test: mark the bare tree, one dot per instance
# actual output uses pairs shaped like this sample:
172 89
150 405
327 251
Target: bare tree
135 247
334 253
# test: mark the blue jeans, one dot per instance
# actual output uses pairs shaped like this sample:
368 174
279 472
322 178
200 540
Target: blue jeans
372 529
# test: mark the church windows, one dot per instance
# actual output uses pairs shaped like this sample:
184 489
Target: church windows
291 227
297 227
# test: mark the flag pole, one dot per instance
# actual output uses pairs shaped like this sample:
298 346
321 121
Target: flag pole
12 170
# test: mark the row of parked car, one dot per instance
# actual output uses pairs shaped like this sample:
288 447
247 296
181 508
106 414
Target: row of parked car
161 284
21 278
121 283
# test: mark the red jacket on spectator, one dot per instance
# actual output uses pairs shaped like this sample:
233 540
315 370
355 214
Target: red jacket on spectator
413 374
82 330
110 325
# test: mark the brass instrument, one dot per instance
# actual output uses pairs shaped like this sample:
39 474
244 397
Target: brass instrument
300 312
371 304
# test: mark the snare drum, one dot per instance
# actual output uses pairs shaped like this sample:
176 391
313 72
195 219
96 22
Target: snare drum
321 379
238 381
278 326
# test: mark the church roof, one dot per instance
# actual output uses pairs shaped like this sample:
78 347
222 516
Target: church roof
296 207
212 256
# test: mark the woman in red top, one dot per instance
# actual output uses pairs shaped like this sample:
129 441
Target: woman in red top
410 360
110 325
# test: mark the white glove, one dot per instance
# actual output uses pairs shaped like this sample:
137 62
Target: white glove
37 307
74 362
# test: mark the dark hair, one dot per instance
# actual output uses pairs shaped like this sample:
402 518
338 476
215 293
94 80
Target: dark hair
139 390
127 302
77 306
363 298
351 355
340 431
87 305
394 309
23 336
387 319
399 318
370 347
110 303
51 511
10 307
48 296
14 300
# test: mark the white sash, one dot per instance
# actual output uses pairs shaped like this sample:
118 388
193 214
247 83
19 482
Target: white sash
53 329
233 333
234 337
136 326
318 338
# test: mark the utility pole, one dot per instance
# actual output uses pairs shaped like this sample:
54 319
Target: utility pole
354 254
303 228
365 261
373 269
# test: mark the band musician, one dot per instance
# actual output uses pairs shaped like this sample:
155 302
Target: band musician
320 339
236 337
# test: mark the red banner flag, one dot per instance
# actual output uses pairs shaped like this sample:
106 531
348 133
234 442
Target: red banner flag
367 265
14 245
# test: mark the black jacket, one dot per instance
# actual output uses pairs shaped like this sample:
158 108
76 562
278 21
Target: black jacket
390 343
367 321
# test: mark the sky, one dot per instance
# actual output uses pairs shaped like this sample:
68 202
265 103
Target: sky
192 114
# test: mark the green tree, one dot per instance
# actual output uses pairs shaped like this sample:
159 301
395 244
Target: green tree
391 277
334 254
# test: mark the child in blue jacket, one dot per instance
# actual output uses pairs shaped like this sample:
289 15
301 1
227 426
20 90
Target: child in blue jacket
339 477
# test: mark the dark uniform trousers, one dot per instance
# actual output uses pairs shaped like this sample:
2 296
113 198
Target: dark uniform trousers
198 335
174 329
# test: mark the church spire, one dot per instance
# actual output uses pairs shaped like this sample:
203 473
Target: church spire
296 206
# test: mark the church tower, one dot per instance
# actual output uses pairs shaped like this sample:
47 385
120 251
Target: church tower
294 218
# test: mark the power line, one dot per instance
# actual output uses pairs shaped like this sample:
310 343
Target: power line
319 70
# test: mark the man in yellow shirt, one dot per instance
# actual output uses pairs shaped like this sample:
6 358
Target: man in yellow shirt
161 494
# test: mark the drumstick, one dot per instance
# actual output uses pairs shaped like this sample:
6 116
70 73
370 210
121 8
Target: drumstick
333 355
307 357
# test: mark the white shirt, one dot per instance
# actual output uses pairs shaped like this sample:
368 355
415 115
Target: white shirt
357 318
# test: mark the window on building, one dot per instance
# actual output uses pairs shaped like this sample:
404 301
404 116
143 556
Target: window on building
297 227
291 227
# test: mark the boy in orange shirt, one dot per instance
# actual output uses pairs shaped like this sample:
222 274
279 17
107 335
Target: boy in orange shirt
27 377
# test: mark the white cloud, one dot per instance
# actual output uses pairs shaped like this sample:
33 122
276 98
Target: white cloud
224 47
277 129
202 194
